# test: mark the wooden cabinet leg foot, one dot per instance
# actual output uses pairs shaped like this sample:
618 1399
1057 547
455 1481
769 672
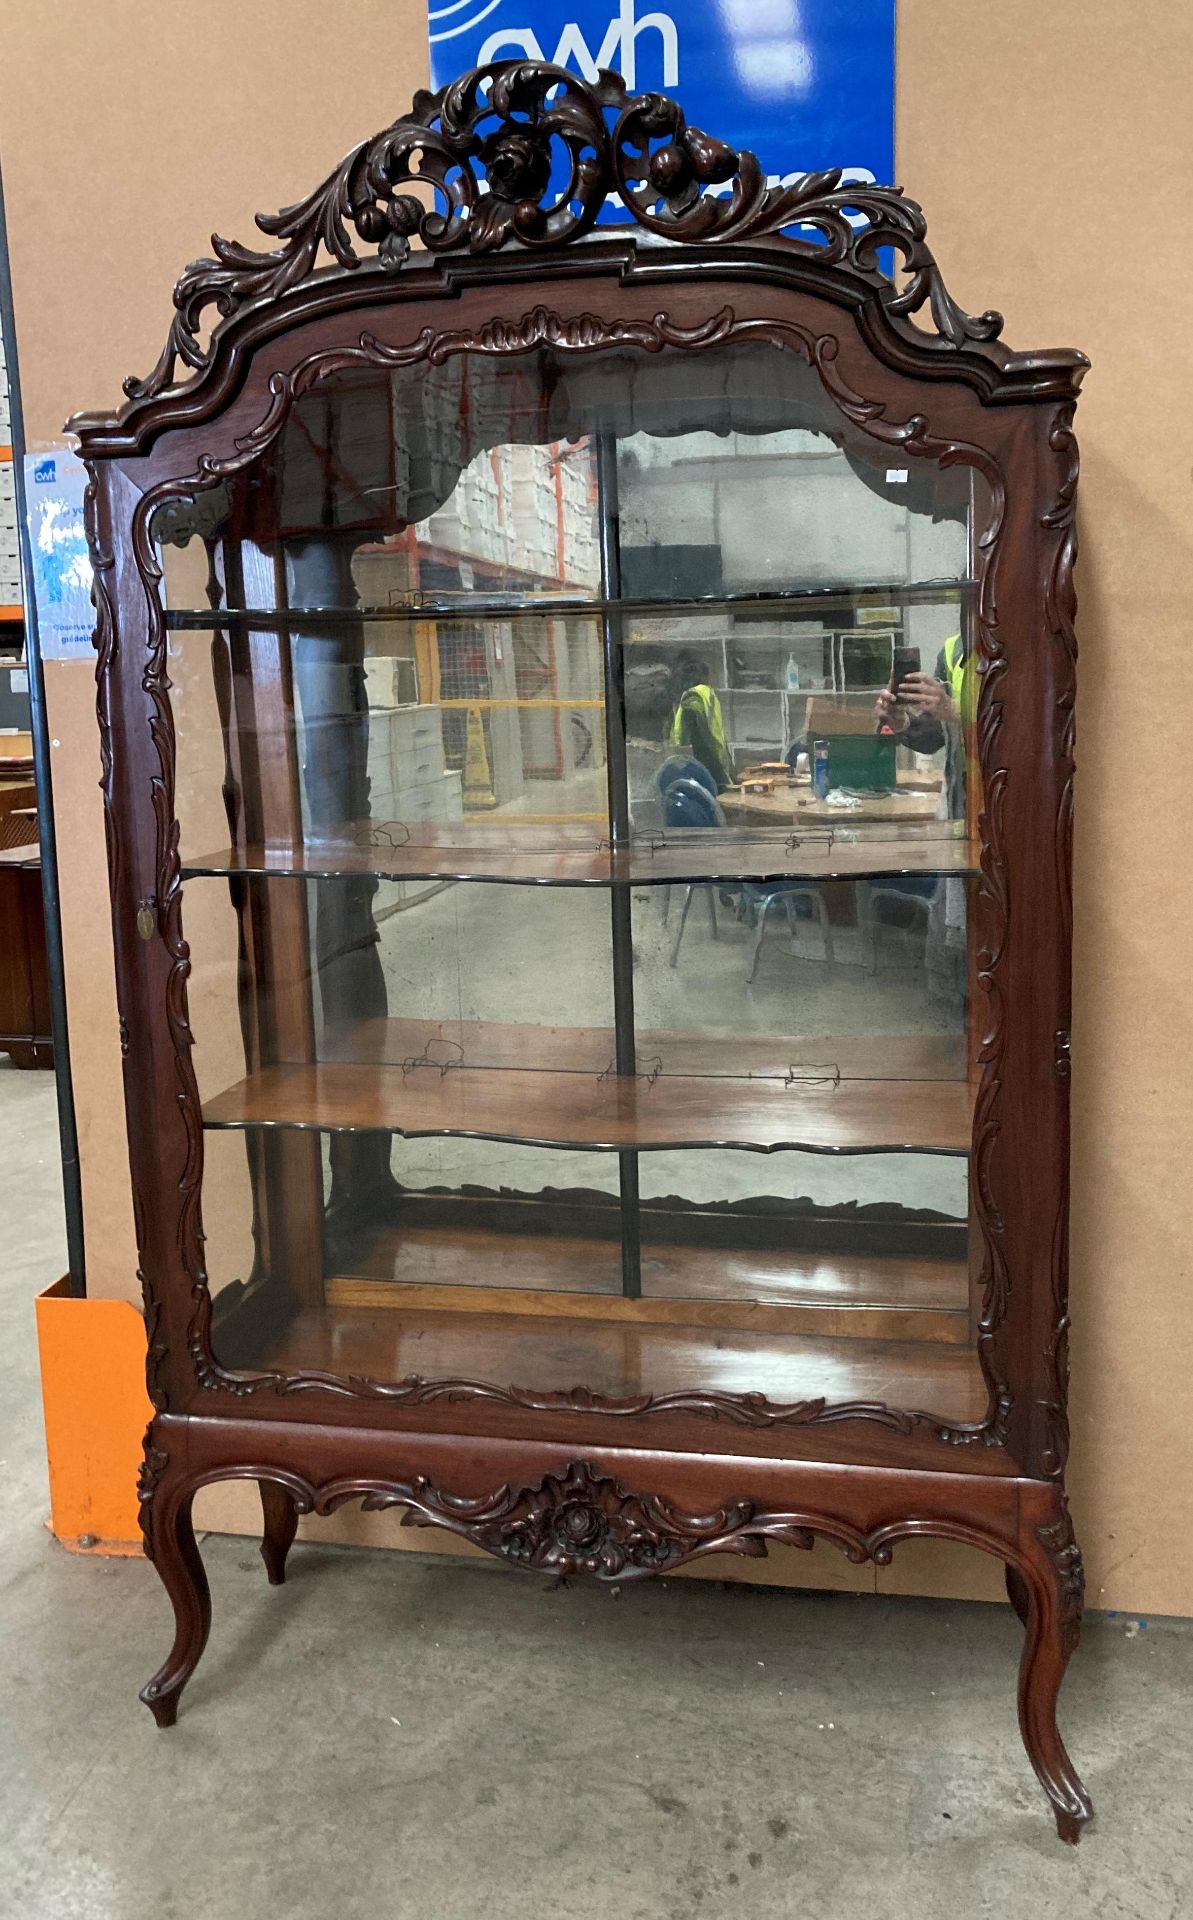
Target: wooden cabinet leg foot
281 1524
170 1542
1052 1586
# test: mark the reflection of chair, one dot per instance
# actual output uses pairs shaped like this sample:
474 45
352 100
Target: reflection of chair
681 766
917 894
689 801
789 894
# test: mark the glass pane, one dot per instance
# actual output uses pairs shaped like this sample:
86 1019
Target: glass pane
296 747
460 486
579 802
832 1013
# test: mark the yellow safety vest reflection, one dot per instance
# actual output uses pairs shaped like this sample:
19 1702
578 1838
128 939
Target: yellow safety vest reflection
700 702
705 698
962 678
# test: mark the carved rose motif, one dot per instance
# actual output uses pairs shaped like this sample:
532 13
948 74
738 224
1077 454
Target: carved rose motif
579 1528
518 166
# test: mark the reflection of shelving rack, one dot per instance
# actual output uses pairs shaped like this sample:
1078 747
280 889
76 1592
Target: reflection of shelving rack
762 721
11 610
519 701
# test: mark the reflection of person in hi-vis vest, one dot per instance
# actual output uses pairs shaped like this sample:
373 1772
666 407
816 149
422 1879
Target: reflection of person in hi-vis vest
696 722
928 711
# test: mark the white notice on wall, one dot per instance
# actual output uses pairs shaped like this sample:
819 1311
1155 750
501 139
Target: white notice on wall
54 488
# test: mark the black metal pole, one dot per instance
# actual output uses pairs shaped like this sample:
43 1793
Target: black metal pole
613 648
72 1186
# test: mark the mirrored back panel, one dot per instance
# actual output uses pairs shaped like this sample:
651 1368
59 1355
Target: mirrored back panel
578 799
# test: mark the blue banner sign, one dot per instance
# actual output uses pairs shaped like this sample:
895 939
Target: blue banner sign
804 84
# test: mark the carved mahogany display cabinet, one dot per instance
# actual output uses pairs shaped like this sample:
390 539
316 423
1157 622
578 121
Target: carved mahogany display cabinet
586 677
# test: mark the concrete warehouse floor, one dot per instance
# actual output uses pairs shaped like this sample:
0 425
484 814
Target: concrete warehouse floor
400 1735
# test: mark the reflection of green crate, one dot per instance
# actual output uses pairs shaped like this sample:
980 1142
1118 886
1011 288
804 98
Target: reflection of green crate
861 760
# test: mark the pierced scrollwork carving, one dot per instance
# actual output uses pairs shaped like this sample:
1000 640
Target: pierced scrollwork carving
526 152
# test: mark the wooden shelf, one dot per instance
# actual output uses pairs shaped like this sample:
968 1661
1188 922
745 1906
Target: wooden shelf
548 1355
572 1276
508 851
472 606
27 853
499 1043
703 1099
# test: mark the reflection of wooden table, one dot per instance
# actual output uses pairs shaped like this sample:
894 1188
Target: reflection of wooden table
17 795
917 797
24 981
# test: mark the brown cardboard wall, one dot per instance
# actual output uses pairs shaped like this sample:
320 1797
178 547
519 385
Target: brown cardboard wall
1052 150
1050 146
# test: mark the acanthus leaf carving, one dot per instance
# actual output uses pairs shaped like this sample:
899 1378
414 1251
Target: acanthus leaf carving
486 151
1060 606
154 1462
580 1520
1060 1544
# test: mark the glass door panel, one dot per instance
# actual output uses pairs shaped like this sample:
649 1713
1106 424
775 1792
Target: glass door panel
578 800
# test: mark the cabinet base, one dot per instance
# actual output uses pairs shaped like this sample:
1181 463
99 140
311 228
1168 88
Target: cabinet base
618 1514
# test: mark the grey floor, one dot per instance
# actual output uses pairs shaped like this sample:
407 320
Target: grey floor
405 1736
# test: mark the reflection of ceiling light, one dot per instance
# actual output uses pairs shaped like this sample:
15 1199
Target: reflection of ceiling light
774 66
767 46
745 18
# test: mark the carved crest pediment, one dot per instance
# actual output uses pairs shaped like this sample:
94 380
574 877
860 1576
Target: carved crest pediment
525 154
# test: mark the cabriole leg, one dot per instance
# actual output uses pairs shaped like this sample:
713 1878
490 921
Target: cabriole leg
1050 1582
281 1524
170 1541
1017 1592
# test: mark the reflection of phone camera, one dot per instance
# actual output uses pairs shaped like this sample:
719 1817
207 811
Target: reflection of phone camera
906 661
